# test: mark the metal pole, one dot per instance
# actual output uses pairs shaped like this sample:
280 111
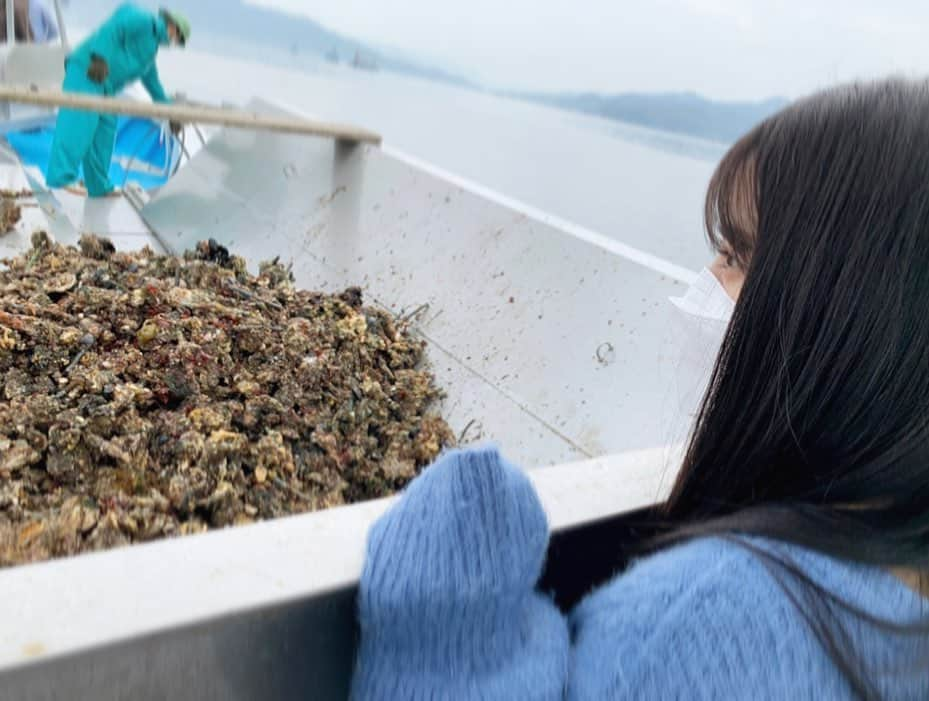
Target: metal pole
62 32
10 23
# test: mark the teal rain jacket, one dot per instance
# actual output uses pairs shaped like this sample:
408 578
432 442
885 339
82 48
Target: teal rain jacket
128 42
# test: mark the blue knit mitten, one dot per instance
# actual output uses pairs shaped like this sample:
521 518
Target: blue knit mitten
447 603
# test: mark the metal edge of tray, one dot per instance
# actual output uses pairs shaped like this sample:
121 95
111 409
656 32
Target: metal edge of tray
262 611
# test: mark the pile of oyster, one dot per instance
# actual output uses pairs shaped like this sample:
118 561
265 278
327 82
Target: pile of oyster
144 396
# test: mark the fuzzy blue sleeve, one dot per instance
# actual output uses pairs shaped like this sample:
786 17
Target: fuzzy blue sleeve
447 605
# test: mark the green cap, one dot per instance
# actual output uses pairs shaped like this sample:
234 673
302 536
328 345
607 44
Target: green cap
179 21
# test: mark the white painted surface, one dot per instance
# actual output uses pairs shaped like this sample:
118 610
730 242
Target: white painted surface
636 255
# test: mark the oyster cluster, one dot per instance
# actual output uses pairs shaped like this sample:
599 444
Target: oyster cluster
144 396
10 210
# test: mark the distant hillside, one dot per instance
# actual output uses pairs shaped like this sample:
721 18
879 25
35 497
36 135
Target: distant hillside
286 34
233 27
683 113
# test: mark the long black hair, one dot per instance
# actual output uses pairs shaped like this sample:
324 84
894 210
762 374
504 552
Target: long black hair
815 426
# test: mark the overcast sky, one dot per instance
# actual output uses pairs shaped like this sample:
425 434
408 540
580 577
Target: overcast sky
730 49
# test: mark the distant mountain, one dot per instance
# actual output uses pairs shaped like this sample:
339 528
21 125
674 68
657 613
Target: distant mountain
236 28
682 113
288 36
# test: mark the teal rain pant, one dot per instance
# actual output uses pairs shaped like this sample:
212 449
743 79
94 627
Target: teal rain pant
84 138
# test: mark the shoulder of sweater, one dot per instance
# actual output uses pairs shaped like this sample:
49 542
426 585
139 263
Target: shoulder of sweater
719 563
695 569
696 621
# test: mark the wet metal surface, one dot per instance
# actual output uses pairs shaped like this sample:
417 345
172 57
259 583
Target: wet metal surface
514 310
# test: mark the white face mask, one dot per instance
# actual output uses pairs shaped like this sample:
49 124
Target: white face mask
699 322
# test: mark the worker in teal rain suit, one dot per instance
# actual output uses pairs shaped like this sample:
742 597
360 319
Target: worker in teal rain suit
121 51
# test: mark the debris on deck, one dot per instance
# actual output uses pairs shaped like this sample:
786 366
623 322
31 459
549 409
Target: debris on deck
146 396
10 209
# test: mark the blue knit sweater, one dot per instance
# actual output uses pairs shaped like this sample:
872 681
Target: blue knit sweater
448 610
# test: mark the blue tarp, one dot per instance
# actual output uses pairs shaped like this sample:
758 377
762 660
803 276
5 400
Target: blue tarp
141 147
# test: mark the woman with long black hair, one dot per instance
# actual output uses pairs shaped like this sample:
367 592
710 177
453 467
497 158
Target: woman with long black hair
792 551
